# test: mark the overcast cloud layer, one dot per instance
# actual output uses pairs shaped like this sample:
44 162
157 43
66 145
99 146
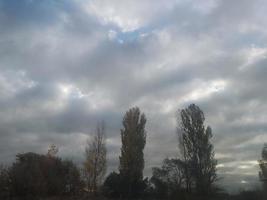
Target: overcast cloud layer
64 65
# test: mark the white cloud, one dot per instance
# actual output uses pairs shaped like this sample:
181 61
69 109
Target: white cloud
253 55
205 90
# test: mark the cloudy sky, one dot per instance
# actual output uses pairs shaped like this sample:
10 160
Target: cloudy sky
64 65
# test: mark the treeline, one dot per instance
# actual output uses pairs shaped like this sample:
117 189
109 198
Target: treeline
34 175
190 176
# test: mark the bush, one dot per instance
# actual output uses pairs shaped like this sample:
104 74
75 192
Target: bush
112 186
42 175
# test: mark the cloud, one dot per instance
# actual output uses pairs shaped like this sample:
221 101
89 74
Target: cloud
66 65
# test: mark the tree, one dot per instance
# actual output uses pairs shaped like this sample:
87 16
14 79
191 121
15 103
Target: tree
168 180
95 163
196 150
4 182
34 175
112 186
72 178
27 177
263 167
133 138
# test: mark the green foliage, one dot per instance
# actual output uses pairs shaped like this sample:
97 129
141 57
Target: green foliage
133 138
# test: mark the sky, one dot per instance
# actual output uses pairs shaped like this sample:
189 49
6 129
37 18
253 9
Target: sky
66 65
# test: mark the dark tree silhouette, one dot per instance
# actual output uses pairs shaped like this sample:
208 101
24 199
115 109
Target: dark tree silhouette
4 182
168 180
263 167
35 175
112 186
133 138
196 150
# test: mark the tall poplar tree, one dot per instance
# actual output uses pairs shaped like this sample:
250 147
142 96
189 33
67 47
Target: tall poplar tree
133 138
196 150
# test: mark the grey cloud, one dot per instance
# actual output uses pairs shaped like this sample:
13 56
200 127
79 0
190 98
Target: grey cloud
60 73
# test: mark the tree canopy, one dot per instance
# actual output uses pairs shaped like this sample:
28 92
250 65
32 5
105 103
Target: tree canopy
196 150
133 138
